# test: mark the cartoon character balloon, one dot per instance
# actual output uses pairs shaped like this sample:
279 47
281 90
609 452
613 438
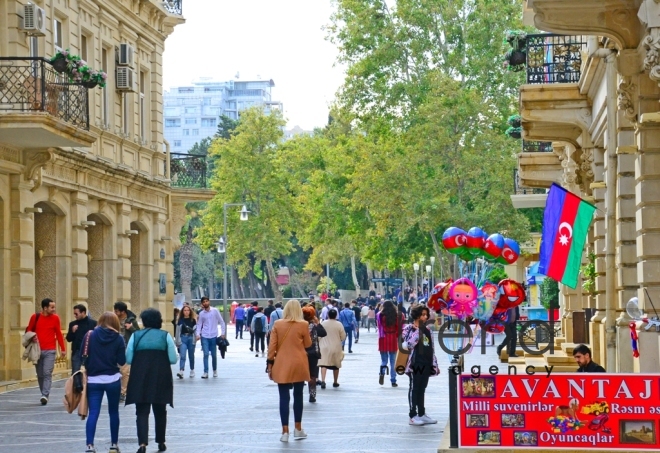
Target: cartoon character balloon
496 322
476 237
512 294
454 240
493 246
439 296
463 293
487 301
510 252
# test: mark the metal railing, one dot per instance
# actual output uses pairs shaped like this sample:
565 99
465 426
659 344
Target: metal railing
518 190
30 84
554 58
188 171
531 146
174 6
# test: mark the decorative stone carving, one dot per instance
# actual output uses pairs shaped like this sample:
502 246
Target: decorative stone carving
625 98
10 154
35 162
652 59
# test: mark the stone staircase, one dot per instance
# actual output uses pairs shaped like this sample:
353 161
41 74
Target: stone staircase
561 359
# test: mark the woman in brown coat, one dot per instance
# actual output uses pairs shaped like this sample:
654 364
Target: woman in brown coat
289 340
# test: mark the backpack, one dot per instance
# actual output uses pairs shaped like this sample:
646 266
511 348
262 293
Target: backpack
259 325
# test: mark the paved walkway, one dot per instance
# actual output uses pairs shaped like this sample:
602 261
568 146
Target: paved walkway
238 411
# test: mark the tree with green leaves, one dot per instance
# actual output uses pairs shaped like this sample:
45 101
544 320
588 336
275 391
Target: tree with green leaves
249 174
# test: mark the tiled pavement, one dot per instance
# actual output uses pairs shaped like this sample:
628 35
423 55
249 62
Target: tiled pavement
238 411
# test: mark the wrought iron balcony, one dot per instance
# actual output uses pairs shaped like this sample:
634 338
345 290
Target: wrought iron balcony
517 190
188 171
530 146
30 84
554 58
174 6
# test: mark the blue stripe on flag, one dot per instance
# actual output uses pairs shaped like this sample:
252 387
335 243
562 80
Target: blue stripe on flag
553 209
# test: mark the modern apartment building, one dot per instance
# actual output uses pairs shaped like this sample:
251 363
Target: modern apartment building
192 112
88 214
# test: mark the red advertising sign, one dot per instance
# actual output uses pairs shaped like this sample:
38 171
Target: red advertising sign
571 411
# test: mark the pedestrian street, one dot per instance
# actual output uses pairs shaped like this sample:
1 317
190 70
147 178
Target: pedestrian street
238 411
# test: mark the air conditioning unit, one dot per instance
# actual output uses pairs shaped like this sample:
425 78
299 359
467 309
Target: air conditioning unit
126 79
125 55
34 20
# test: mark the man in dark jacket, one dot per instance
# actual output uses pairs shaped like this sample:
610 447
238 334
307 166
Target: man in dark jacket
269 309
582 356
511 332
127 324
76 333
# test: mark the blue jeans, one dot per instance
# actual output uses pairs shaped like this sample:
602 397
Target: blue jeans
239 328
187 345
94 399
209 347
349 337
383 364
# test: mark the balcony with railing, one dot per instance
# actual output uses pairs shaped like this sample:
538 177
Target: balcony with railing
532 146
554 58
526 197
190 177
40 107
174 7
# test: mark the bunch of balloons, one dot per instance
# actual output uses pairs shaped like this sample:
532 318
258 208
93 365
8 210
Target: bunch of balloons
476 243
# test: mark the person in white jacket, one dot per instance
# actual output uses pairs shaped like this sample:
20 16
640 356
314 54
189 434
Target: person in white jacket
260 328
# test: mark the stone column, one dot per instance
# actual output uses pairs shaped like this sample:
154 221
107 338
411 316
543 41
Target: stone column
159 267
22 274
123 253
79 283
597 328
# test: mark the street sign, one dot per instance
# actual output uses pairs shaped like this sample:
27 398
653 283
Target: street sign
379 280
396 281
388 281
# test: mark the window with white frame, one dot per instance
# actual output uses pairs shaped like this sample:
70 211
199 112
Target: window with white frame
58 34
83 48
177 143
208 122
191 120
186 132
195 131
104 94
191 109
172 122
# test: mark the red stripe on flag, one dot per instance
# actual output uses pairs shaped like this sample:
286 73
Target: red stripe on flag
561 251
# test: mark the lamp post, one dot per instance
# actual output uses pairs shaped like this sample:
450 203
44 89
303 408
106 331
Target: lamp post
222 248
416 268
428 274
432 272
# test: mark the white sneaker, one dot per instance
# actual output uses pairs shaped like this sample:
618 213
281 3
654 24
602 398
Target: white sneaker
416 421
44 400
299 434
215 374
284 437
192 373
205 376
428 420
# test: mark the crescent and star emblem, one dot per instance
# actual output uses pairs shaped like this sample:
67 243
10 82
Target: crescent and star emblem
508 253
461 240
563 239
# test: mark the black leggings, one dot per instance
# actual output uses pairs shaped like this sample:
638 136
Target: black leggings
160 415
285 398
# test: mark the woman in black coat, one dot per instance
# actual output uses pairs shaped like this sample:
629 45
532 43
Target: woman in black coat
151 352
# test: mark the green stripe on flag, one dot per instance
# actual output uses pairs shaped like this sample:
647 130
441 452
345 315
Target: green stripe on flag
581 225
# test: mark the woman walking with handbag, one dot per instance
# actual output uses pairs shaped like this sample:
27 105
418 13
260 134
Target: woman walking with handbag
388 323
331 353
422 363
103 353
151 352
288 366
316 331
186 326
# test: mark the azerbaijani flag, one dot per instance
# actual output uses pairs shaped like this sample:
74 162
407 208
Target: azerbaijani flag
566 221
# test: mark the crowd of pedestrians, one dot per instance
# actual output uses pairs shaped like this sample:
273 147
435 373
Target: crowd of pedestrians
128 358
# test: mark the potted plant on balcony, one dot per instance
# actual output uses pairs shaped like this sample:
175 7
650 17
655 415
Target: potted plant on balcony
514 132
550 298
515 121
93 78
514 60
60 60
517 39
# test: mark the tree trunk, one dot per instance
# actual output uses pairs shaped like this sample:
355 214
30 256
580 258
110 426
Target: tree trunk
355 279
186 265
439 255
296 283
272 276
379 286
369 277
236 290
253 285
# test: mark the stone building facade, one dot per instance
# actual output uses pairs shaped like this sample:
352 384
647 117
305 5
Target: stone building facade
593 92
87 212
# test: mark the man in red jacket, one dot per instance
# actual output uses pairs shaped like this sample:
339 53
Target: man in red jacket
48 331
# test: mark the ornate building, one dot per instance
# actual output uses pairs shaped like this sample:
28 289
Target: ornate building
592 92
87 210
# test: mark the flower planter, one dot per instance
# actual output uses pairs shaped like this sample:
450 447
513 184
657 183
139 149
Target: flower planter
514 132
516 58
90 84
60 65
515 121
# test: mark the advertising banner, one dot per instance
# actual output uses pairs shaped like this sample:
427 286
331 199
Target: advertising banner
567 410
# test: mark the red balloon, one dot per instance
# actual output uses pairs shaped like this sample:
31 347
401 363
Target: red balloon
439 296
512 294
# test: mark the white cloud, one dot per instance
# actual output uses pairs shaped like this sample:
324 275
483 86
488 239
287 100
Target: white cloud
274 39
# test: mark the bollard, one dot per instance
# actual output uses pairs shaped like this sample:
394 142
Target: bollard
453 403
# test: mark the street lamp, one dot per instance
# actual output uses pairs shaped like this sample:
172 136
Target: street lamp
428 273
416 268
222 248
432 271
